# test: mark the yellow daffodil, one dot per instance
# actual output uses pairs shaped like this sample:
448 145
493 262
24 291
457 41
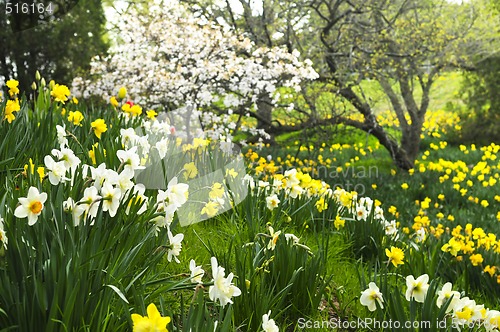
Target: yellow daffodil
395 255
190 170
11 107
151 114
217 191
321 205
476 259
338 222
99 127
490 270
13 87
41 172
210 209
152 322
113 101
76 117
60 93
453 247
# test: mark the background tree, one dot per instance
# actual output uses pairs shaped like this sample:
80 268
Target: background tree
481 117
404 45
58 44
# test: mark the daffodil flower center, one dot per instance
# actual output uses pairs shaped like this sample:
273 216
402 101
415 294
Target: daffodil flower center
466 313
35 207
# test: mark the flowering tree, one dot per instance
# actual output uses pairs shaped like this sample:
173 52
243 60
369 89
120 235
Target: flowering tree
403 45
170 59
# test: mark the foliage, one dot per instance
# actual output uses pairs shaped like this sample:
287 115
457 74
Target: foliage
482 117
59 45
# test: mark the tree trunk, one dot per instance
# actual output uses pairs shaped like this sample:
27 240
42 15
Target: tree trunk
399 153
403 158
264 116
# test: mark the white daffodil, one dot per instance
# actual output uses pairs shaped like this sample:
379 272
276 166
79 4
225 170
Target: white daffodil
277 184
371 296
420 235
177 193
417 289
263 186
292 237
128 137
164 221
90 201
492 320
272 202
391 228
367 202
61 136
129 158
31 206
124 180
162 147
68 157
248 179
143 143
467 311
361 212
175 246
3 236
98 175
76 210
269 325
139 198
197 272
296 190
169 213
57 170
110 198
378 213
223 288
445 294
291 178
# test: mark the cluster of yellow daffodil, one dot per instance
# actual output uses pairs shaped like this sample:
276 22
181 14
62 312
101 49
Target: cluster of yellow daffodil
314 166
129 107
435 124
475 182
473 172
12 105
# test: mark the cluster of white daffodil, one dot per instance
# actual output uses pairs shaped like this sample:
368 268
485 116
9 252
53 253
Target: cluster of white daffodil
462 310
107 188
169 58
110 189
211 168
360 208
350 207
223 288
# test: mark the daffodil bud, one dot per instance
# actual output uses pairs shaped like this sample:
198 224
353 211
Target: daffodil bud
52 83
122 93
33 86
42 83
37 75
